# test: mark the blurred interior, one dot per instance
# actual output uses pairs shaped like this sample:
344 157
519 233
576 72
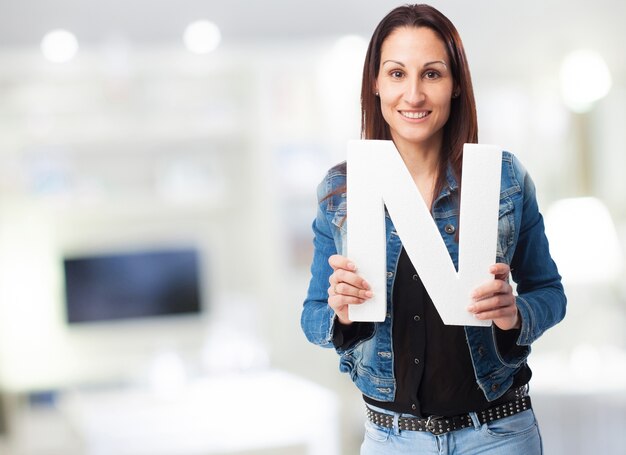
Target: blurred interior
136 138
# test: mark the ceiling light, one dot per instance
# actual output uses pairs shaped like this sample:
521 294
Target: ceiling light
585 79
59 46
202 37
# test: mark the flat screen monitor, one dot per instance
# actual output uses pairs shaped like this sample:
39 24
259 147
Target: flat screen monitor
127 285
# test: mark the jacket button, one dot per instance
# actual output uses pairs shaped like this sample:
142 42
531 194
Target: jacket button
495 387
450 229
389 274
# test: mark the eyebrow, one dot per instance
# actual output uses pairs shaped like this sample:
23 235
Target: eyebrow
425 64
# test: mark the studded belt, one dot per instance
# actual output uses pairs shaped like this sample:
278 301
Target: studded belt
438 425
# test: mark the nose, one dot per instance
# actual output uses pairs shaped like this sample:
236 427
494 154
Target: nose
414 95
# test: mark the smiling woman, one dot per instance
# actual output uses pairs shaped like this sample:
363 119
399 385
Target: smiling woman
443 44
415 88
431 387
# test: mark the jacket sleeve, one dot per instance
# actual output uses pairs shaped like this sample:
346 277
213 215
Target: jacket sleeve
317 319
541 299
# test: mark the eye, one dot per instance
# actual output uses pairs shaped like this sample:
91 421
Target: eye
396 74
431 74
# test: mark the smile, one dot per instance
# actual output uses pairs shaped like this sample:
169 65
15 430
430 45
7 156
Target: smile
414 115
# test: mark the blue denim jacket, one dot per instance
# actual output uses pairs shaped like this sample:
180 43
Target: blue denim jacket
521 243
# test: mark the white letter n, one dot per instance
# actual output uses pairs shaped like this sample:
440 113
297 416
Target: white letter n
377 177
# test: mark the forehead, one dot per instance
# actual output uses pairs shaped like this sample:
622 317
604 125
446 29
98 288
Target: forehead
414 43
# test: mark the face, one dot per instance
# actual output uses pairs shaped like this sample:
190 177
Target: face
415 86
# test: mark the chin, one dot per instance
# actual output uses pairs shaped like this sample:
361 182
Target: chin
415 139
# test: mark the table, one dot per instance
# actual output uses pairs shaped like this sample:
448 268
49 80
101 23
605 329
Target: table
219 414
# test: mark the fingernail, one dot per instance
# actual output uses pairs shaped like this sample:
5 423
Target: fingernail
369 294
471 308
351 266
366 285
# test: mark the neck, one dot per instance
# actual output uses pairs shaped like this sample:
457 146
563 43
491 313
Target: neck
423 165
421 159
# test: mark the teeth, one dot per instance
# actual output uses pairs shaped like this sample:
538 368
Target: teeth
414 114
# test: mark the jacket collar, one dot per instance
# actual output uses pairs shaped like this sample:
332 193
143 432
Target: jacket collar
452 184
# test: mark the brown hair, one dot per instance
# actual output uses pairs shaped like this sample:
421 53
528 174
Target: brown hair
462 124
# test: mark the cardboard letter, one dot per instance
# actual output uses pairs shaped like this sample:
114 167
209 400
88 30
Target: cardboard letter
377 177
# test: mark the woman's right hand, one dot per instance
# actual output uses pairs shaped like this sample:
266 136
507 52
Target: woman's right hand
346 287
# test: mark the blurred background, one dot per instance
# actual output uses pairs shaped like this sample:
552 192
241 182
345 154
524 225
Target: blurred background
159 149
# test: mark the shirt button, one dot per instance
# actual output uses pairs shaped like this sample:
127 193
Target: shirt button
413 407
450 229
417 361
415 277
416 318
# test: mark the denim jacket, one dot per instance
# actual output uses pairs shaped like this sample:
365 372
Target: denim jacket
521 243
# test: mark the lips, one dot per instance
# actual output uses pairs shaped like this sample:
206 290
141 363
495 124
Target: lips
414 115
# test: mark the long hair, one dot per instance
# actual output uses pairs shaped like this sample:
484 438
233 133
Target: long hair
462 124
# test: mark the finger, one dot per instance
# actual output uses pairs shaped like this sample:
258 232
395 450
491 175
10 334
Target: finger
508 312
500 271
351 278
496 302
340 301
336 261
350 284
491 288
349 290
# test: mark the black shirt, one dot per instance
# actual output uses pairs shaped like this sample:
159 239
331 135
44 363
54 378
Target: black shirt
432 362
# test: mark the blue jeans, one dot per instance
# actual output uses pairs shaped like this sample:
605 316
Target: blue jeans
514 435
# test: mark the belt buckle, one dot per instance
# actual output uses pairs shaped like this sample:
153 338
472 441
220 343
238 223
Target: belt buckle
430 424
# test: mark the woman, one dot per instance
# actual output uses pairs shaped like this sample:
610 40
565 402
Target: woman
428 387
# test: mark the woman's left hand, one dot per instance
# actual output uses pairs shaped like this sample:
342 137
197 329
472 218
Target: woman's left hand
495 300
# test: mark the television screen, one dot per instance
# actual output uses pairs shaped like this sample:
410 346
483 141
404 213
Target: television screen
131 285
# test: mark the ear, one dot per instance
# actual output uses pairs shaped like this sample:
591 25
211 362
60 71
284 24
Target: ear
456 92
